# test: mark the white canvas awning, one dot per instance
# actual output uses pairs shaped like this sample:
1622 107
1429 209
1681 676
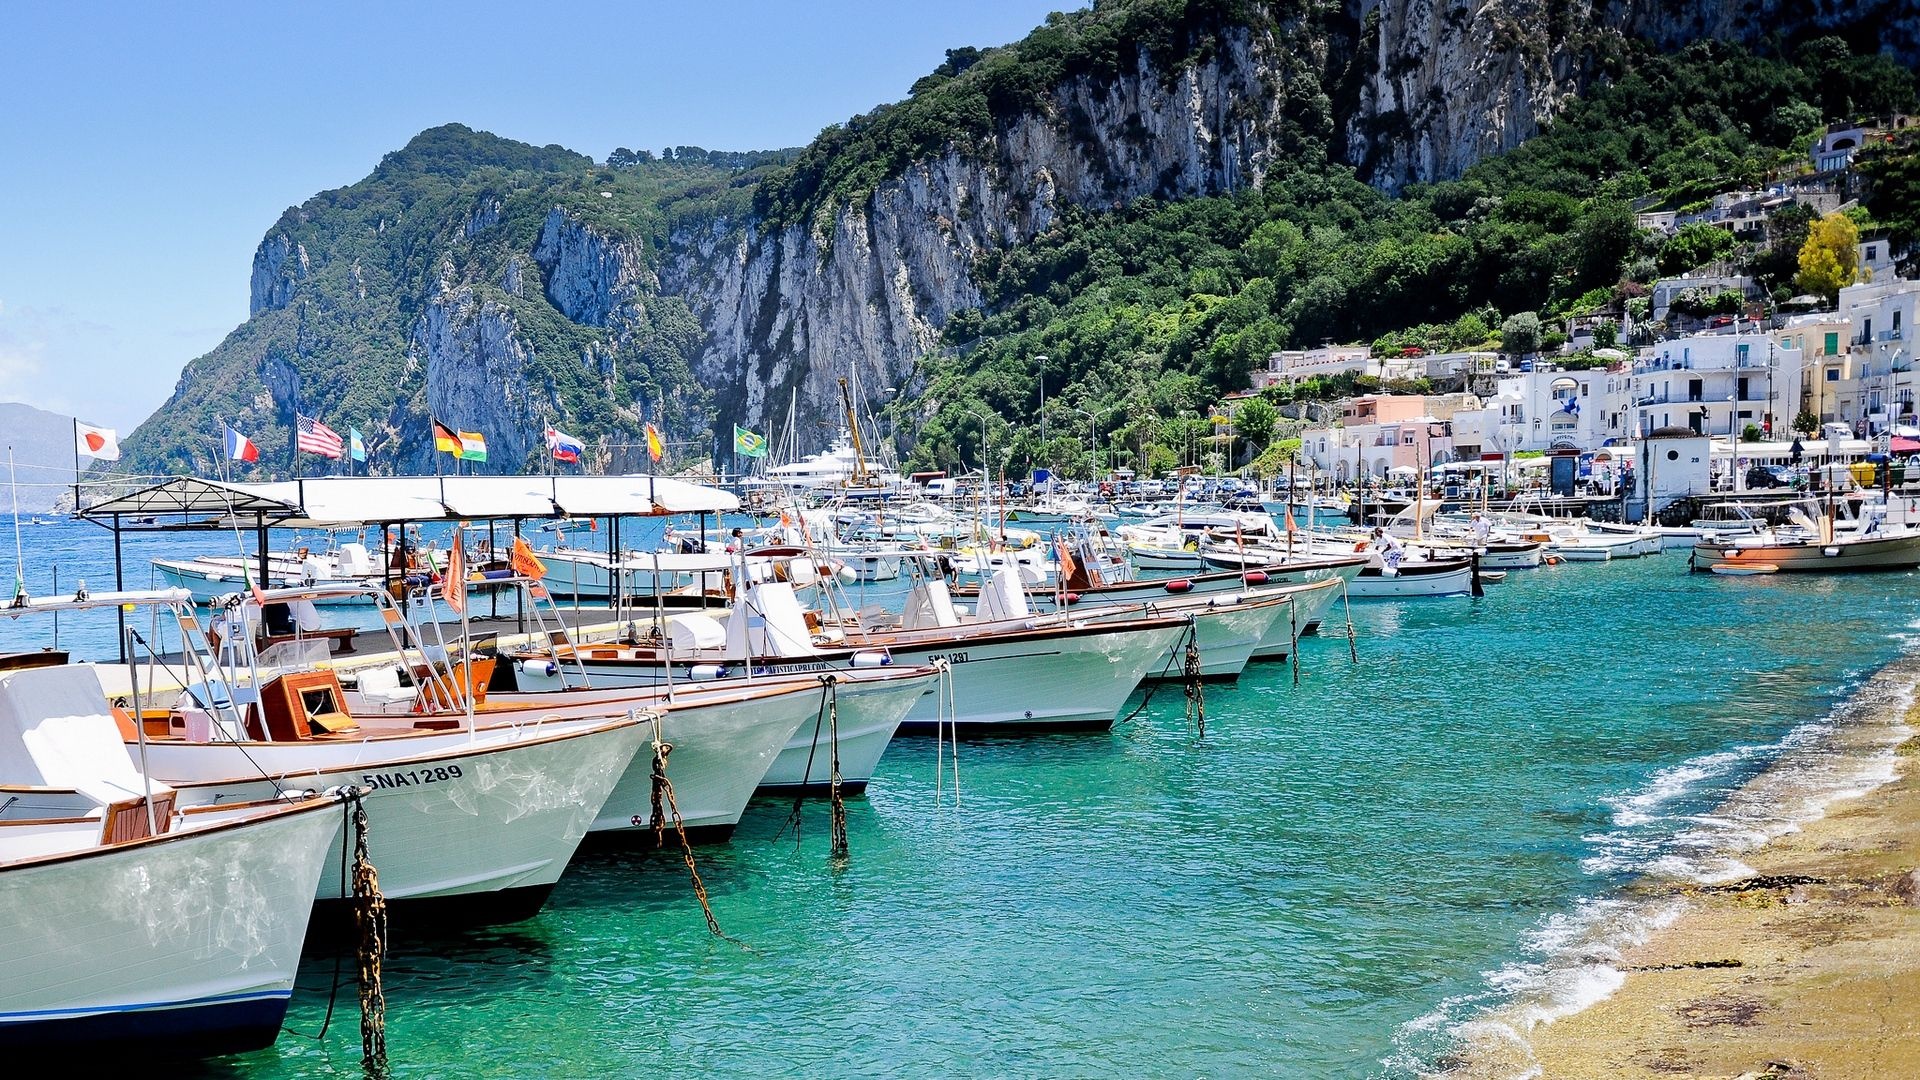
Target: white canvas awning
367 500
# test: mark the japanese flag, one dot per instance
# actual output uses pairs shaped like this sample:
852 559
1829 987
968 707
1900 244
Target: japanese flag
96 442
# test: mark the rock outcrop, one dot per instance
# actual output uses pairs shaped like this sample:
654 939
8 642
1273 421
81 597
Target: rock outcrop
475 364
788 308
590 275
278 265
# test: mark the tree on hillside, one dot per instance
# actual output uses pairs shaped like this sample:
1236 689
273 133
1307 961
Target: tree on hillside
1254 421
1695 244
1521 333
1777 266
1829 257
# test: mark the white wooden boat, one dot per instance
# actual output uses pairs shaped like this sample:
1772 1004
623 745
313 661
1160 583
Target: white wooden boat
1016 673
870 703
128 934
1889 551
1413 578
473 824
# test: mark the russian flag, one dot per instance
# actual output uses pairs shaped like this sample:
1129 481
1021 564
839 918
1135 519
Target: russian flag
563 446
241 448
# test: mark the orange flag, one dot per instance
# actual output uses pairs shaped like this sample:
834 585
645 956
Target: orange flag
655 448
524 562
454 585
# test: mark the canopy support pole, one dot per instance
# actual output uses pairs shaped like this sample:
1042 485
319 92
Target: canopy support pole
519 602
120 585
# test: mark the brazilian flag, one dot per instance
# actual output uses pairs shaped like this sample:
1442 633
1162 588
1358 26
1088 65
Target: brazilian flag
748 444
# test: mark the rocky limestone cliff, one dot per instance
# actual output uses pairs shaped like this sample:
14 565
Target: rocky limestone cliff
626 298
591 277
789 308
474 361
278 266
1440 84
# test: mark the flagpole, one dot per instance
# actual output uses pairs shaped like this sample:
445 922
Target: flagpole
19 560
76 465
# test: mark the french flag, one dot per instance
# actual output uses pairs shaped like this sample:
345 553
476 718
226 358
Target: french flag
563 446
241 448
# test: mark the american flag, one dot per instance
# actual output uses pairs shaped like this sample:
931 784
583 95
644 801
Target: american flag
314 437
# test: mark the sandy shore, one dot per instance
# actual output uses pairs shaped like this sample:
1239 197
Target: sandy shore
1808 968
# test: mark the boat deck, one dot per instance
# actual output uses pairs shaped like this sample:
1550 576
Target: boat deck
373 647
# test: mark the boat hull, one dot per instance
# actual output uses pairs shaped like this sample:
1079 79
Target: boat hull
1075 676
869 715
482 823
1310 606
1453 580
185 944
1883 553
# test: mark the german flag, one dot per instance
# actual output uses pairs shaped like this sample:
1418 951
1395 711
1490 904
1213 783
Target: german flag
445 440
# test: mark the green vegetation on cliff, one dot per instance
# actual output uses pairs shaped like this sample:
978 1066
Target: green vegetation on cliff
334 332
1148 314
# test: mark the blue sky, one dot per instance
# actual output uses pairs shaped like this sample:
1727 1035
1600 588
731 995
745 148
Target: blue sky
146 148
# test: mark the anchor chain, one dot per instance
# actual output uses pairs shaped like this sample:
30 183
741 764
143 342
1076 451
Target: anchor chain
838 848
1196 694
370 917
663 791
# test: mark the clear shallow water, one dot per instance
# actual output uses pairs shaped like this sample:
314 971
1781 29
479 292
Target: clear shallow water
1327 885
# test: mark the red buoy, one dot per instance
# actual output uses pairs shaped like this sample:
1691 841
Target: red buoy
1180 585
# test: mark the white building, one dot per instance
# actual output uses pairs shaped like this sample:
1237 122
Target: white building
1548 409
1293 365
1713 384
1881 317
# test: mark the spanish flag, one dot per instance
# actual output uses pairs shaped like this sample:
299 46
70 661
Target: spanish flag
655 448
444 439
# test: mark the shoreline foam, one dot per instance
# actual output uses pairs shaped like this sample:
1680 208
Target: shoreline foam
1835 816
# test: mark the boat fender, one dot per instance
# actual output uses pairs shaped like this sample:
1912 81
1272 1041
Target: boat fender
1255 577
707 672
1073 598
1178 585
872 659
1830 552
539 667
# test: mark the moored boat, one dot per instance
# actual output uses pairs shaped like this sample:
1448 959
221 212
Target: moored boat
133 926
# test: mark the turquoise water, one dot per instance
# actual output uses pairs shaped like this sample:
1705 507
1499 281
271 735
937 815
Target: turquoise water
1323 885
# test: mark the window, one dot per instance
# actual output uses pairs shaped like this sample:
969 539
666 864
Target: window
1833 345
1833 374
1871 253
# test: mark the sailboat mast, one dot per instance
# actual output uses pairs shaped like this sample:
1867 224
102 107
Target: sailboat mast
853 425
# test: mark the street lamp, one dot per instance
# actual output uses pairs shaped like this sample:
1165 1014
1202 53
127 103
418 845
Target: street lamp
1733 440
986 473
1092 443
1042 361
